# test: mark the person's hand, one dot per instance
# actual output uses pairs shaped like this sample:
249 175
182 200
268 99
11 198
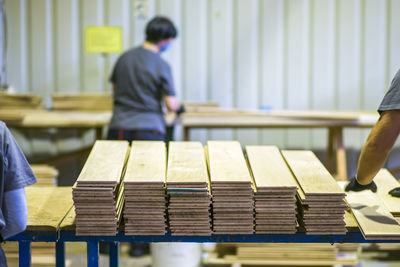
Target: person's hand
395 192
180 110
355 186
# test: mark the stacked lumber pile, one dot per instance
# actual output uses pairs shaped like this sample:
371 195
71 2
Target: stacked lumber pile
46 175
20 101
98 193
320 200
42 254
144 183
275 191
86 102
232 188
289 254
188 191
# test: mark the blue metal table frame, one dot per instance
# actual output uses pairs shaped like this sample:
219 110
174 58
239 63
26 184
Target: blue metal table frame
61 237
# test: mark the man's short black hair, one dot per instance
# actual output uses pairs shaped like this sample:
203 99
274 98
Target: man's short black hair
160 28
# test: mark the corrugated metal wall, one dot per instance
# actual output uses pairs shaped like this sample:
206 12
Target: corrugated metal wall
287 54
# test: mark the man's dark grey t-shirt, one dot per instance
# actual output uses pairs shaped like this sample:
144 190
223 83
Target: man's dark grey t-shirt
391 100
141 77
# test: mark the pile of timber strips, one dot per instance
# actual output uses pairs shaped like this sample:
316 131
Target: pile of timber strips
86 101
188 191
46 175
275 191
373 211
286 254
98 193
232 188
321 200
20 101
145 199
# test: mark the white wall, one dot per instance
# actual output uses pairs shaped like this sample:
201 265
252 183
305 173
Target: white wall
288 54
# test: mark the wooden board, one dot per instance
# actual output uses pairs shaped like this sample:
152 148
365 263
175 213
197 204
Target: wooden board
186 163
47 207
105 163
372 216
386 182
147 162
309 172
268 167
227 163
85 101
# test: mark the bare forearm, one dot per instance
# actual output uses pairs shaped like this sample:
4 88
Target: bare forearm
378 145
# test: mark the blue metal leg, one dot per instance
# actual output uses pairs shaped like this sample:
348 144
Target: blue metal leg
92 253
114 254
24 253
60 254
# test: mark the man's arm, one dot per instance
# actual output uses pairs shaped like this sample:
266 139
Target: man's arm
378 145
15 212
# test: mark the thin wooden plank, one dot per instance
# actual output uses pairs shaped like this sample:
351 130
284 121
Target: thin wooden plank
374 219
268 167
105 162
311 175
186 163
386 182
47 206
147 162
227 163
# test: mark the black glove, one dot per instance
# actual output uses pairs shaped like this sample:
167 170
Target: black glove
355 186
180 110
395 192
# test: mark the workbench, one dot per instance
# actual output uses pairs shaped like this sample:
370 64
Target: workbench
333 121
51 219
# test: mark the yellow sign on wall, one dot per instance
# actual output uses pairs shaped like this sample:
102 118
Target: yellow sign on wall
103 39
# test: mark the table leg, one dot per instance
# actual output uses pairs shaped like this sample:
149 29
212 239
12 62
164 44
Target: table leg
336 153
60 254
114 254
341 156
186 133
92 253
24 253
99 133
330 151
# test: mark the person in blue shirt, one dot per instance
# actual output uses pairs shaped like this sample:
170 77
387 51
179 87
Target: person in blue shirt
15 174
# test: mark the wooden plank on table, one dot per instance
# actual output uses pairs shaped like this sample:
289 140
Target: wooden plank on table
186 163
147 162
312 176
227 163
86 101
386 182
269 168
105 163
47 207
372 216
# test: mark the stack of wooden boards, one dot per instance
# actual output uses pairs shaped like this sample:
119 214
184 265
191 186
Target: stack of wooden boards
20 101
98 193
275 191
232 188
320 200
189 198
145 199
289 254
375 213
46 175
84 101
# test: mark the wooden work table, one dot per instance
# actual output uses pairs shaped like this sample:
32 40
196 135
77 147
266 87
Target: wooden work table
333 121
215 118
